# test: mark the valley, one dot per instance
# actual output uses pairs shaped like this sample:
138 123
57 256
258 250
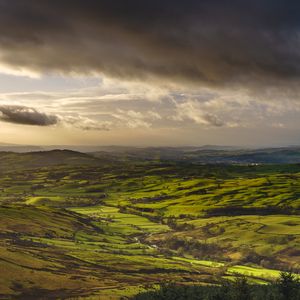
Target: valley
78 225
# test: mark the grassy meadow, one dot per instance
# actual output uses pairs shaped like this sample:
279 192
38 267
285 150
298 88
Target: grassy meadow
76 226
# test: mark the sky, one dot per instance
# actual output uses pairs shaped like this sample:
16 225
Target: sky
150 73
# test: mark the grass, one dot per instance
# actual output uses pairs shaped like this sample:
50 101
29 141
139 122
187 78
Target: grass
111 230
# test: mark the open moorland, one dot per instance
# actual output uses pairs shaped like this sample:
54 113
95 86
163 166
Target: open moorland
94 226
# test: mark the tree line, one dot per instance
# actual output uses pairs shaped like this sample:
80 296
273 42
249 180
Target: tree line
287 287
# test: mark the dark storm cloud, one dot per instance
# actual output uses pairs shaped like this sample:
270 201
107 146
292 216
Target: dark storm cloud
26 116
208 41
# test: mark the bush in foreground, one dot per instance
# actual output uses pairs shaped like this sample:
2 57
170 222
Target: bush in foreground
286 288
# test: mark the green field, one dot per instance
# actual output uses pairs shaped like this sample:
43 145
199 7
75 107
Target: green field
84 227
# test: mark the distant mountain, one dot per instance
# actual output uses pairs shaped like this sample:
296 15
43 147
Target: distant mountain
259 156
31 160
207 154
18 148
218 147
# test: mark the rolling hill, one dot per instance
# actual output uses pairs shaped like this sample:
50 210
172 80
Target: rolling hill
74 225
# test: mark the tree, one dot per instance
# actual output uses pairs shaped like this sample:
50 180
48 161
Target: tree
288 286
241 290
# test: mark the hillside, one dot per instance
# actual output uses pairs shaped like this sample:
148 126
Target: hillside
206 154
31 160
74 226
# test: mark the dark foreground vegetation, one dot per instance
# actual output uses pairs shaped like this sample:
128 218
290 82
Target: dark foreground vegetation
286 288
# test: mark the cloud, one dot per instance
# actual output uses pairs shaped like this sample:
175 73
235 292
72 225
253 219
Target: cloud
26 116
212 42
84 123
136 119
90 110
193 111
